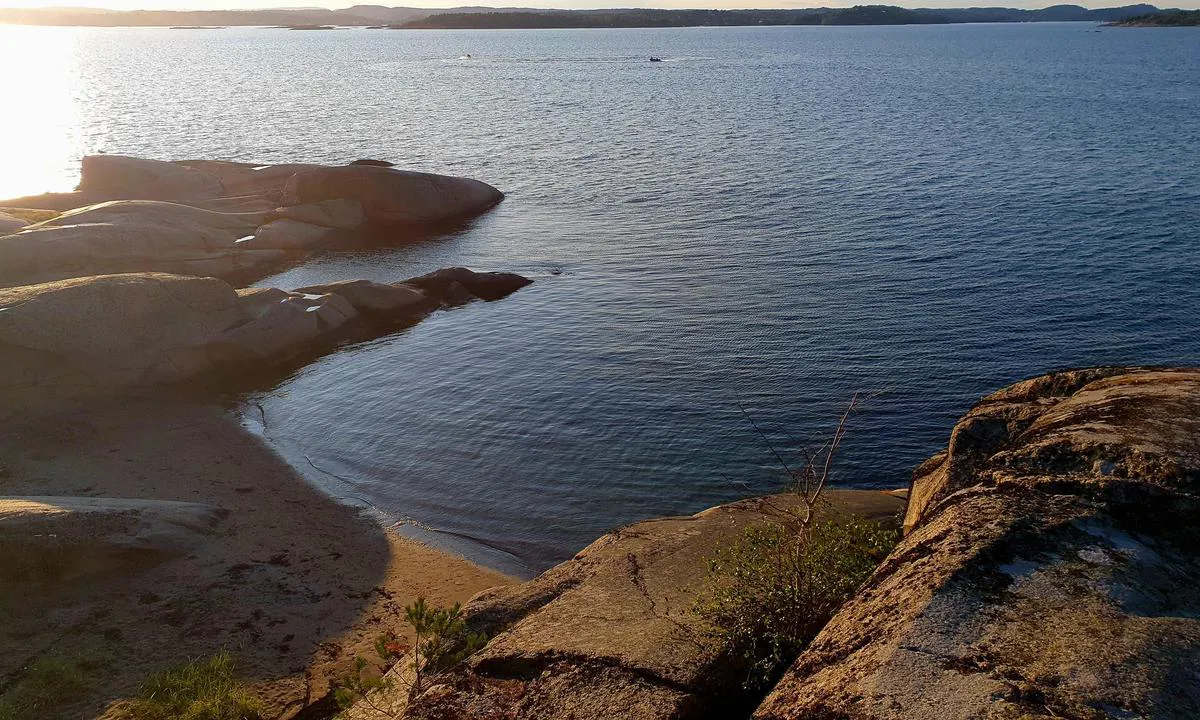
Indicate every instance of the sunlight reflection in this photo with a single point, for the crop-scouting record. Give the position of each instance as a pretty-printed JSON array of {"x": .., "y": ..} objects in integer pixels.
[{"x": 40, "y": 143}]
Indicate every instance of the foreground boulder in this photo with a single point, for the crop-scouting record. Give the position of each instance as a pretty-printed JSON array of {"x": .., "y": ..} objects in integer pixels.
[
  {"x": 52, "y": 539},
  {"x": 99, "y": 334},
  {"x": 236, "y": 221},
  {"x": 611, "y": 633},
  {"x": 1049, "y": 568}
]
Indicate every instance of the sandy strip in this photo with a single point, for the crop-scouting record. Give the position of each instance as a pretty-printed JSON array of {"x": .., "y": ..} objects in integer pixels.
[{"x": 291, "y": 581}]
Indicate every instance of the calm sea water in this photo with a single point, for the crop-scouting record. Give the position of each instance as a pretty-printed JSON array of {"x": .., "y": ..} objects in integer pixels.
[{"x": 776, "y": 217}]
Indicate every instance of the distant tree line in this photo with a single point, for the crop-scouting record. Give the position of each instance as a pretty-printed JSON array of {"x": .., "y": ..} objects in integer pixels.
[
  {"x": 1163, "y": 18},
  {"x": 857, "y": 15}
]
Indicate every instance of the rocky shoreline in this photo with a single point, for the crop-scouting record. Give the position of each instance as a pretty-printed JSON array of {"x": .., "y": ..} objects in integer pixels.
[
  {"x": 235, "y": 221},
  {"x": 1047, "y": 567},
  {"x": 137, "y": 283},
  {"x": 1047, "y": 571},
  {"x": 151, "y": 526}
]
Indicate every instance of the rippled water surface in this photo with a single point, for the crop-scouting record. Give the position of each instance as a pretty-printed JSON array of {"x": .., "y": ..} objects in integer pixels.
[{"x": 777, "y": 217}]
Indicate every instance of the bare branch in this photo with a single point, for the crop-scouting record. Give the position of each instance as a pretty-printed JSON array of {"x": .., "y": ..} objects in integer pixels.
[{"x": 766, "y": 440}]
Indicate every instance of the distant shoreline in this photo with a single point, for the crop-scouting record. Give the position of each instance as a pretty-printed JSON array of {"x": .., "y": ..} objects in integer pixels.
[
  {"x": 1163, "y": 18},
  {"x": 477, "y": 18}
]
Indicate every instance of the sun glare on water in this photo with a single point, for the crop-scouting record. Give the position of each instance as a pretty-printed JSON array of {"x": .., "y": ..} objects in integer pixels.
[{"x": 40, "y": 145}]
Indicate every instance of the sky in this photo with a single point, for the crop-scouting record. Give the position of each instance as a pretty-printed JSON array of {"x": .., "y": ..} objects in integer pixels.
[{"x": 722, "y": 4}]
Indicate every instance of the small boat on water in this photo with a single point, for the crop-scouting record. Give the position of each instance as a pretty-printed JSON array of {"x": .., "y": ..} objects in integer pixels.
[{"x": 655, "y": 59}]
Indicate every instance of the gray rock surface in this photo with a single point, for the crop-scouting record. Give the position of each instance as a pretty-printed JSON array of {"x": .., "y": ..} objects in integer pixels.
[
  {"x": 10, "y": 224},
  {"x": 117, "y": 176},
  {"x": 1049, "y": 568},
  {"x": 292, "y": 236},
  {"x": 452, "y": 286},
  {"x": 236, "y": 221},
  {"x": 369, "y": 296},
  {"x": 392, "y": 197},
  {"x": 132, "y": 236},
  {"x": 105, "y": 333},
  {"x": 342, "y": 213},
  {"x": 611, "y": 633},
  {"x": 165, "y": 526},
  {"x": 109, "y": 331}
]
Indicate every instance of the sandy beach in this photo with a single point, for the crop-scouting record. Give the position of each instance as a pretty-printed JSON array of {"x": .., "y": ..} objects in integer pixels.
[{"x": 290, "y": 581}]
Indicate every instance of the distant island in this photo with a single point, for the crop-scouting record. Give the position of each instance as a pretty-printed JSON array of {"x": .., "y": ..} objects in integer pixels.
[
  {"x": 378, "y": 16},
  {"x": 1162, "y": 18},
  {"x": 857, "y": 15}
]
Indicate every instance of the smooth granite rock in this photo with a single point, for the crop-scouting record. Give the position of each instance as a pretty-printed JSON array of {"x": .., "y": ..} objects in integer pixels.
[
  {"x": 393, "y": 197},
  {"x": 452, "y": 286},
  {"x": 1049, "y": 569},
  {"x": 611, "y": 633},
  {"x": 106, "y": 333},
  {"x": 130, "y": 236},
  {"x": 291, "y": 236},
  {"x": 236, "y": 221},
  {"x": 118, "y": 176},
  {"x": 341, "y": 213},
  {"x": 10, "y": 224},
  {"x": 367, "y": 296}
]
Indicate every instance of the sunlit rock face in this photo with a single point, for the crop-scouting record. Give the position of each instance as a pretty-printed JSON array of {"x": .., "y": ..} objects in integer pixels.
[
  {"x": 132, "y": 236},
  {"x": 1048, "y": 570},
  {"x": 611, "y": 633},
  {"x": 235, "y": 221},
  {"x": 103, "y": 334}
]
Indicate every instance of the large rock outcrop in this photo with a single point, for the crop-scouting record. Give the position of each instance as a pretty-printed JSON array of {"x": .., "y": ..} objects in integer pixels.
[
  {"x": 393, "y": 197},
  {"x": 69, "y": 538},
  {"x": 611, "y": 633},
  {"x": 1048, "y": 571},
  {"x": 105, "y": 333},
  {"x": 236, "y": 221}
]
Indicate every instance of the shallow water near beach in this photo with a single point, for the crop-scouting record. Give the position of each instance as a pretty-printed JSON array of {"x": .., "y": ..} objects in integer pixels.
[{"x": 774, "y": 219}]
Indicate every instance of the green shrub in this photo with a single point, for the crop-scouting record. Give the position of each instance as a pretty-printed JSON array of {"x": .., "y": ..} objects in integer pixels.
[
  {"x": 49, "y": 682},
  {"x": 775, "y": 585},
  {"x": 199, "y": 690},
  {"x": 442, "y": 641}
]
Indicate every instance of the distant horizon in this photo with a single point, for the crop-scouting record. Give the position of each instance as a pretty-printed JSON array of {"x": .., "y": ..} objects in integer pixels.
[{"x": 237, "y": 5}]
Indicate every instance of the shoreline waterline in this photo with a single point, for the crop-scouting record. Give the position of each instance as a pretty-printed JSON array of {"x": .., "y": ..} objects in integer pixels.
[{"x": 341, "y": 489}]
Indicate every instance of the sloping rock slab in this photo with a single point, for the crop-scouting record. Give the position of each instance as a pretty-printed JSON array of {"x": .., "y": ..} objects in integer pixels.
[
  {"x": 611, "y": 632},
  {"x": 10, "y": 224},
  {"x": 392, "y": 197},
  {"x": 52, "y": 539},
  {"x": 108, "y": 331},
  {"x": 133, "y": 236},
  {"x": 373, "y": 297},
  {"x": 105, "y": 333},
  {"x": 119, "y": 176},
  {"x": 1049, "y": 572}
]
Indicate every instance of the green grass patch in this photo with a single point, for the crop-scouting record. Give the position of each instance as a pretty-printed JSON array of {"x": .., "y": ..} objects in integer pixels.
[{"x": 200, "y": 690}]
